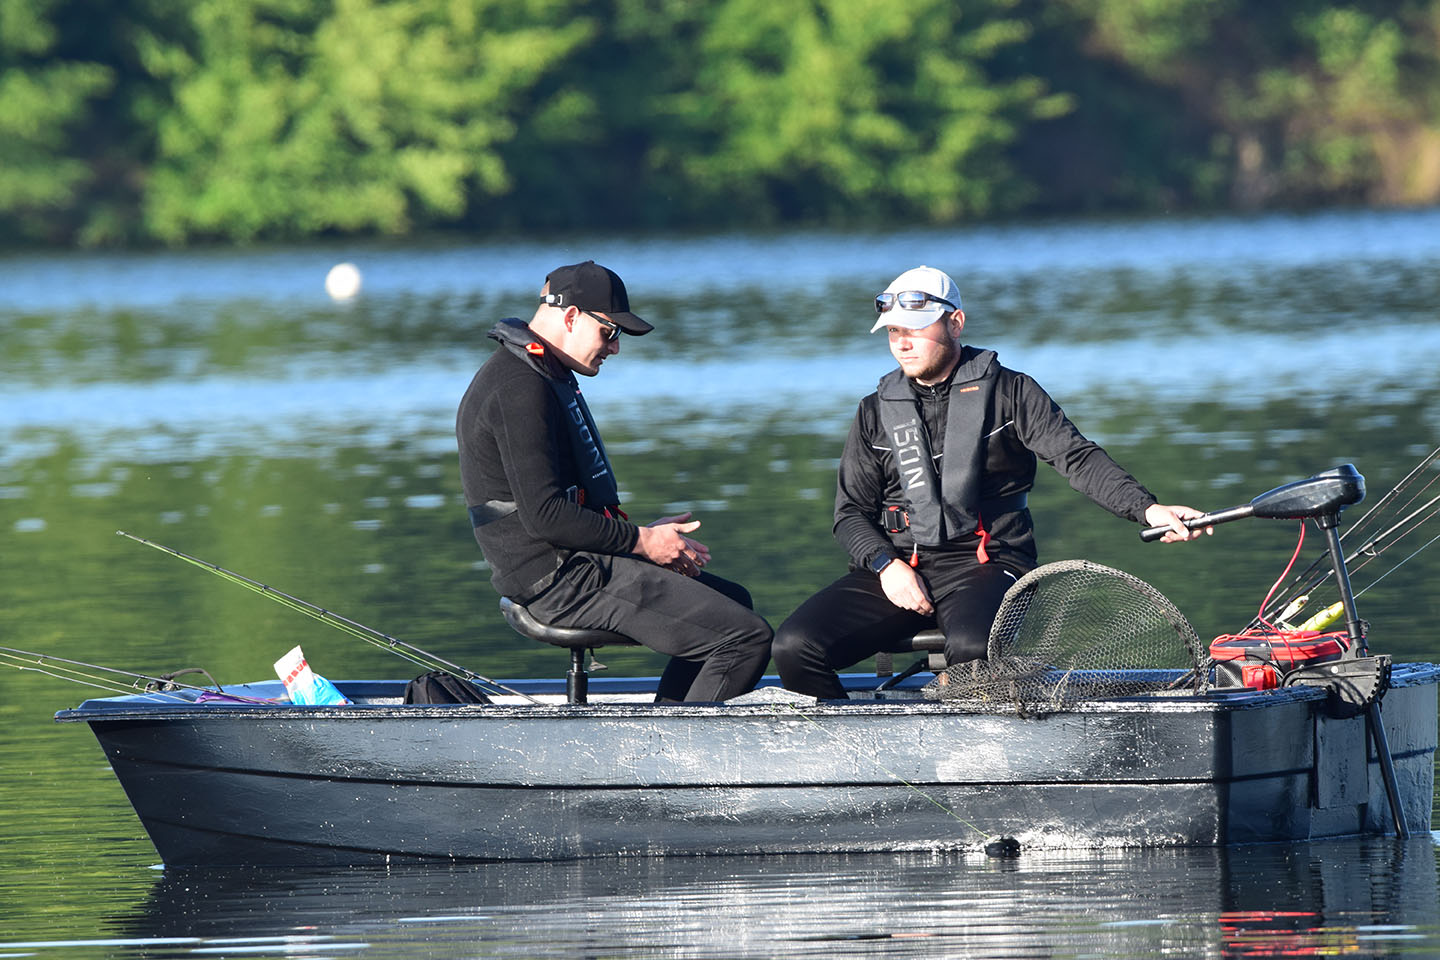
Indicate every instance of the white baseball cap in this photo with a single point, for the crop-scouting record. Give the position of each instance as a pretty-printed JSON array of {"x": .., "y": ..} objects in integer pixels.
[{"x": 934, "y": 295}]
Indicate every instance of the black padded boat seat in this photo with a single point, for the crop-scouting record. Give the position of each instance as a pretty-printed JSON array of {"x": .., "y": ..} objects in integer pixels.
[
  {"x": 523, "y": 622},
  {"x": 576, "y": 640},
  {"x": 929, "y": 642}
]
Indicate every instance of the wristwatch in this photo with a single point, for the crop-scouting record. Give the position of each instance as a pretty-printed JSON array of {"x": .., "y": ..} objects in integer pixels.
[{"x": 881, "y": 561}]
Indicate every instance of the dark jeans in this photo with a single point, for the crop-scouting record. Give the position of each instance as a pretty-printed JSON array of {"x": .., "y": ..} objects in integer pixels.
[
  {"x": 718, "y": 646},
  {"x": 852, "y": 619}
]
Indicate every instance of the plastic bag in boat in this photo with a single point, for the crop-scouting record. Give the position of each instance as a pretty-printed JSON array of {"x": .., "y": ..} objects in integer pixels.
[{"x": 305, "y": 686}]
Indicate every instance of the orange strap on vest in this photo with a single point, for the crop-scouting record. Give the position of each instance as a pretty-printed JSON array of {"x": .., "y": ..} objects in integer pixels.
[{"x": 981, "y": 553}]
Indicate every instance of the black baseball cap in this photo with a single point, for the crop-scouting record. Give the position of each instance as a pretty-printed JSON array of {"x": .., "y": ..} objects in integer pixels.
[{"x": 590, "y": 286}]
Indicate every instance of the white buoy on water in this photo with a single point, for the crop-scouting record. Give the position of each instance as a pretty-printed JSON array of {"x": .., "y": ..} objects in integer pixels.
[{"x": 343, "y": 281}]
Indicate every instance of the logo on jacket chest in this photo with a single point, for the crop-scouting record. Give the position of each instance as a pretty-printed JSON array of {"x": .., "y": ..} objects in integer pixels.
[
  {"x": 909, "y": 454},
  {"x": 595, "y": 465}
]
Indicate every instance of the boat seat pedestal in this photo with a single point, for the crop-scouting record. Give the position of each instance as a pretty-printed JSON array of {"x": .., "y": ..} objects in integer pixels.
[
  {"x": 929, "y": 642},
  {"x": 576, "y": 639}
]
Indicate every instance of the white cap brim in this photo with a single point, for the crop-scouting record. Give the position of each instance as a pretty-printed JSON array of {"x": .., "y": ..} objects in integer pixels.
[{"x": 910, "y": 319}]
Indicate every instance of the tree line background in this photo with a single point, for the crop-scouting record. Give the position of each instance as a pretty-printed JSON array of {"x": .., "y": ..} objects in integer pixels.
[{"x": 181, "y": 121}]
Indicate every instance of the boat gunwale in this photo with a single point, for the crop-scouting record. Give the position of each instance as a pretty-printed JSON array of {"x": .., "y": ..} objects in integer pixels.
[{"x": 131, "y": 707}]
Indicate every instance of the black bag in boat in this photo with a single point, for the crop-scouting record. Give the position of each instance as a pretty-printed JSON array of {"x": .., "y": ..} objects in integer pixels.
[{"x": 438, "y": 686}]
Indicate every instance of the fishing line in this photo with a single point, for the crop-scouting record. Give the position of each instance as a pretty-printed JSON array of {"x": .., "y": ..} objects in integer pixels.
[
  {"x": 345, "y": 625},
  {"x": 1421, "y": 491},
  {"x": 1372, "y": 552},
  {"x": 866, "y": 755},
  {"x": 1369, "y": 548},
  {"x": 1397, "y": 566},
  {"x": 1395, "y": 491}
]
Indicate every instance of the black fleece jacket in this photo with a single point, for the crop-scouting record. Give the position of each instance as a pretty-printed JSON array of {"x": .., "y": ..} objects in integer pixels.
[
  {"x": 1023, "y": 423},
  {"x": 515, "y": 446}
]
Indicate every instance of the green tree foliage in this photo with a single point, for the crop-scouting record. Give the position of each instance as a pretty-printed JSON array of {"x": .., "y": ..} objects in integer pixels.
[
  {"x": 1311, "y": 101},
  {"x": 45, "y": 101},
  {"x": 763, "y": 111},
  {"x": 846, "y": 108},
  {"x": 294, "y": 118},
  {"x": 185, "y": 120}
]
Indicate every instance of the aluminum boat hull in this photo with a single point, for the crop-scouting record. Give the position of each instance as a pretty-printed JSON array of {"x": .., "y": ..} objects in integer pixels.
[{"x": 378, "y": 781}]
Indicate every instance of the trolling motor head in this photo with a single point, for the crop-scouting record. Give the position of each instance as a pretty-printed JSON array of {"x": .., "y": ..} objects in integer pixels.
[{"x": 1323, "y": 495}]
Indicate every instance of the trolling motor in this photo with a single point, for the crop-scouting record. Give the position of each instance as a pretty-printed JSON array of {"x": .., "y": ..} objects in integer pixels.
[
  {"x": 1263, "y": 660},
  {"x": 1354, "y": 680}
]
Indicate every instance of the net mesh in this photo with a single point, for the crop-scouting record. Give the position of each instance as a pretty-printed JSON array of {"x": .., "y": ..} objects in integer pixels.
[{"x": 1073, "y": 631}]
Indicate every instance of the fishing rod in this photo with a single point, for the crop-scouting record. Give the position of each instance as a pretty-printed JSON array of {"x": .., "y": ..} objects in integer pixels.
[
  {"x": 107, "y": 679},
  {"x": 1397, "y": 566},
  {"x": 355, "y": 629},
  {"x": 1394, "y": 492},
  {"x": 1371, "y": 549},
  {"x": 1291, "y": 599}
]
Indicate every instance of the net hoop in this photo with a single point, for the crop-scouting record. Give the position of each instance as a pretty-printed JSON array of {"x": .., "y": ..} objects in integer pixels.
[{"x": 1075, "y": 631}]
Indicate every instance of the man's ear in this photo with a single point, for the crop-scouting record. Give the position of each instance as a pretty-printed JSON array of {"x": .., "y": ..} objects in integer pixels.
[{"x": 958, "y": 319}]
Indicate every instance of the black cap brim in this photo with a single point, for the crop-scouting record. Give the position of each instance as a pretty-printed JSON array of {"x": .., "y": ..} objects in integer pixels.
[{"x": 631, "y": 324}]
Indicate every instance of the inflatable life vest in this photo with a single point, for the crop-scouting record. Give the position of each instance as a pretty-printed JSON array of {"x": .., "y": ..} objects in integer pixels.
[
  {"x": 597, "y": 480},
  {"x": 942, "y": 507}
]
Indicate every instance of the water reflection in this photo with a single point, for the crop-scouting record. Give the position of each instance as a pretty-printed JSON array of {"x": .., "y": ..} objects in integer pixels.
[{"x": 1367, "y": 898}]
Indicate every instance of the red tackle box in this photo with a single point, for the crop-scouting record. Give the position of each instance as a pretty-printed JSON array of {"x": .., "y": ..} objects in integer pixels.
[{"x": 1261, "y": 660}]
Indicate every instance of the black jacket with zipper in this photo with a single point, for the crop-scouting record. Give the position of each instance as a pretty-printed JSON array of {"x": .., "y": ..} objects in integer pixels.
[{"x": 515, "y": 446}]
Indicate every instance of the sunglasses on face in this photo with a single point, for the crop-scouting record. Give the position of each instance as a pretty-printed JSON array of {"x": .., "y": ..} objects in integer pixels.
[
  {"x": 908, "y": 300},
  {"x": 612, "y": 329}
]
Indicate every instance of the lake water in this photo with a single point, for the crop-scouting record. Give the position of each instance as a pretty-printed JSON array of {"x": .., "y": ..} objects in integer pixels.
[{"x": 219, "y": 403}]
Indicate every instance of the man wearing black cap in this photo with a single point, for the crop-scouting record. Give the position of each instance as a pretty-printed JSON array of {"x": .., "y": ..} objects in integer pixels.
[{"x": 545, "y": 507}]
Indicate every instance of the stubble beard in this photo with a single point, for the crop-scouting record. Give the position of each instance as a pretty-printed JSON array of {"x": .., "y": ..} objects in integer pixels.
[{"x": 938, "y": 365}]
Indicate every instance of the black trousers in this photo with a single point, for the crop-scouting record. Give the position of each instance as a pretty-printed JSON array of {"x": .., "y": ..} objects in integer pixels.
[
  {"x": 717, "y": 644},
  {"x": 852, "y": 619}
]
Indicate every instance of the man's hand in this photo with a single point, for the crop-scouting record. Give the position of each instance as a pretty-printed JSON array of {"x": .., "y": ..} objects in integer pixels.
[
  {"x": 1160, "y": 515},
  {"x": 664, "y": 542},
  {"x": 904, "y": 588}
]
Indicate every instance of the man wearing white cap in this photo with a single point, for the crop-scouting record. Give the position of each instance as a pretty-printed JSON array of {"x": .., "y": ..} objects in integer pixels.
[{"x": 931, "y": 499}]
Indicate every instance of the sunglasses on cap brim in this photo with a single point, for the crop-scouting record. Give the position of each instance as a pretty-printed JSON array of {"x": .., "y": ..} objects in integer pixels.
[{"x": 908, "y": 300}]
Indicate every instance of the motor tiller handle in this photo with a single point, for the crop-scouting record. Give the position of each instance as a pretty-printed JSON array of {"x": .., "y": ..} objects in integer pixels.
[
  {"x": 1322, "y": 496},
  {"x": 1204, "y": 520}
]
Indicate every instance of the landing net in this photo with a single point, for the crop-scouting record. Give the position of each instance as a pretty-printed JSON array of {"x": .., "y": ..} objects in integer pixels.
[{"x": 1074, "y": 631}]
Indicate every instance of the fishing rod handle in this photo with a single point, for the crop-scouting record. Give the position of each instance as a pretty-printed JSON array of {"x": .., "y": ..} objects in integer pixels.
[{"x": 1204, "y": 520}]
